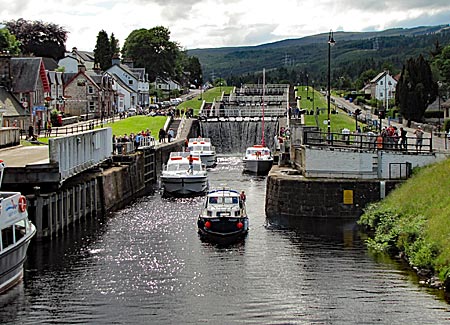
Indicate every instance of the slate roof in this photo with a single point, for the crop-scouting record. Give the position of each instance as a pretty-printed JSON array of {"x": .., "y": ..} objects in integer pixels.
[
  {"x": 25, "y": 73},
  {"x": 10, "y": 104}
]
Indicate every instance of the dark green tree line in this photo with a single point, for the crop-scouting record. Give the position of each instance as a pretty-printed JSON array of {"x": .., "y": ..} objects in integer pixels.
[
  {"x": 416, "y": 89},
  {"x": 39, "y": 38}
]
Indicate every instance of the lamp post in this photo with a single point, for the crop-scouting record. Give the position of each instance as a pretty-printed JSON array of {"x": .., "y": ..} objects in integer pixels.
[{"x": 331, "y": 43}]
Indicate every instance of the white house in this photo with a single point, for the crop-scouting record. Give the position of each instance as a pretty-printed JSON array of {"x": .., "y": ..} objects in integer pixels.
[
  {"x": 383, "y": 87},
  {"x": 167, "y": 85},
  {"x": 73, "y": 59},
  {"x": 126, "y": 96},
  {"x": 127, "y": 79}
]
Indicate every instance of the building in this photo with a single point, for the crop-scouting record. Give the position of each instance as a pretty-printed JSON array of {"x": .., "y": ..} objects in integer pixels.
[
  {"x": 82, "y": 94},
  {"x": 382, "y": 87}
]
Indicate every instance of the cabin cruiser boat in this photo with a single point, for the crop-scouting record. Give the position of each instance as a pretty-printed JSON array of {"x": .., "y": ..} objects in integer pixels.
[
  {"x": 180, "y": 178},
  {"x": 16, "y": 232},
  {"x": 258, "y": 160},
  {"x": 223, "y": 215},
  {"x": 203, "y": 148}
]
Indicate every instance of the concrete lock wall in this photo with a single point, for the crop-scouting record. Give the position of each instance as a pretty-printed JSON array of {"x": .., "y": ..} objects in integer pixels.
[
  {"x": 294, "y": 196},
  {"x": 325, "y": 162}
]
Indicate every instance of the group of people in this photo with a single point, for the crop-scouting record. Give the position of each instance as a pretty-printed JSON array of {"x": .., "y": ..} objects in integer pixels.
[
  {"x": 280, "y": 138},
  {"x": 162, "y": 134},
  {"x": 135, "y": 138}
]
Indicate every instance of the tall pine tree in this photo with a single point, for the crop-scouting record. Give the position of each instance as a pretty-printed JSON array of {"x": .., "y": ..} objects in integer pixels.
[
  {"x": 103, "y": 51},
  {"x": 416, "y": 89}
]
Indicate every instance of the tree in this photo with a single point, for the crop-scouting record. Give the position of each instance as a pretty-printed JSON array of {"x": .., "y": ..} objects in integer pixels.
[
  {"x": 416, "y": 89},
  {"x": 114, "y": 43},
  {"x": 152, "y": 50},
  {"x": 39, "y": 38},
  {"x": 102, "y": 51},
  {"x": 8, "y": 42}
]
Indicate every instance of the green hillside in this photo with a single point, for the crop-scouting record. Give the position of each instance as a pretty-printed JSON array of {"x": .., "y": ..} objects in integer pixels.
[{"x": 353, "y": 53}]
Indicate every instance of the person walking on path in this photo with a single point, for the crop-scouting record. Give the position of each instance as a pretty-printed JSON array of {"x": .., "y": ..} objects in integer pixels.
[{"x": 419, "y": 138}]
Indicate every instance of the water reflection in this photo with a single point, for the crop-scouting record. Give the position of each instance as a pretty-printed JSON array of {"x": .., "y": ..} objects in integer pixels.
[{"x": 146, "y": 264}]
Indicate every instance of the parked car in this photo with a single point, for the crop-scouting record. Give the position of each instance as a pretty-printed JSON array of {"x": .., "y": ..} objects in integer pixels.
[{"x": 132, "y": 112}]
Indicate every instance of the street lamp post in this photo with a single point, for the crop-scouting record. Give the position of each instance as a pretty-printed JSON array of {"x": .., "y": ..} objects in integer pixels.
[{"x": 331, "y": 42}]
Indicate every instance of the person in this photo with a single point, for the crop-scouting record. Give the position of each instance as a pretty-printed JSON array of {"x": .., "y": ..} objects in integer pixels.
[
  {"x": 242, "y": 196},
  {"x": 162, "y": 135},
  {"x": 186, "y": 145},
  {"x": 191, "y": 164},
  {"x": 419, "y": 138},
  {"x": 30, "y": 131},
  {"x": 170, "y": 134},
  {"x": 49, "y": 128},
  {"x": 403, "y": 139}
]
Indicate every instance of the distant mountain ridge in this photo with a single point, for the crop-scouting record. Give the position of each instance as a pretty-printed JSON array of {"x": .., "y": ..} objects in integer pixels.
[{"x": 309, "y": 52}]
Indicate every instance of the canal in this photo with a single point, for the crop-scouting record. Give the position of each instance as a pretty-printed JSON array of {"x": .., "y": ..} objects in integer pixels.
[{"x": 146, "y": 265}]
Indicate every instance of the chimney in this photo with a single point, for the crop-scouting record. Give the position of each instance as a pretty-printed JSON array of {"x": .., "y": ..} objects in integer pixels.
[
  {"x": 128, "y": 62},
  {"x": 81, "y": 68},
  {"x": 115, "y": 59}
]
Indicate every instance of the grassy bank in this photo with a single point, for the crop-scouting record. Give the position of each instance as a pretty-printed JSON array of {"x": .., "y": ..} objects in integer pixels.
[
  {"x": 338, "y": 121},
  {"x": 415, "y": 219}
]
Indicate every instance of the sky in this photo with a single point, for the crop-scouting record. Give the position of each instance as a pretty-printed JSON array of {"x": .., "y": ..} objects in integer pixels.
[{"x": 223, "y": 23}]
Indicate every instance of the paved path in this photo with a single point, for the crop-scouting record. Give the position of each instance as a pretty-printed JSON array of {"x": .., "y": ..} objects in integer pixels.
[{"x": 20, "y": 156}]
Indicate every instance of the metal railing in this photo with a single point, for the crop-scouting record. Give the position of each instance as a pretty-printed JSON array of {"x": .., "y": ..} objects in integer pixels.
[{"x": 367, "y": 141}]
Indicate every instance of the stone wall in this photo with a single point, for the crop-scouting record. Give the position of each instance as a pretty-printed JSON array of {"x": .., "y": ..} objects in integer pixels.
[{"x": 294, "y": 196}]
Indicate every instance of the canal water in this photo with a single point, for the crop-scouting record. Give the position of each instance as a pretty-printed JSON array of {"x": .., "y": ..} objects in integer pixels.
[{"x": 146, "y": 265}]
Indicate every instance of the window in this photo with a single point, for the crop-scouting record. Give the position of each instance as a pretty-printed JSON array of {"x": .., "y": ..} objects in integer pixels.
[
  {"x": 20, "y": 230},
  {"x": 90, "y": 89},
  {"x": 130, "y": 82},
  {"x": 91, "y": 106},
  {"x": 7, "y": 237}
]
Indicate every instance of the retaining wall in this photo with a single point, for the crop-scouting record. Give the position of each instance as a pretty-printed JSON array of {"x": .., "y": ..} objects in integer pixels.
[{"x": 289, "y": 195}]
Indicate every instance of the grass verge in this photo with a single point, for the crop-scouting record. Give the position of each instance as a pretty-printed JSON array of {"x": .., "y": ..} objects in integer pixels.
[{"x": 415, "y": 219}]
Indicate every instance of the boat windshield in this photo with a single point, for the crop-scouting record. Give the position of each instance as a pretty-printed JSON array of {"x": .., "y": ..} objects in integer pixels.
[
  {"x": 183, "y": 167},
  {"x": 199, "y": 148},
  {"x": 223, "y": 200},
  {"x": 264, "y": 152}
]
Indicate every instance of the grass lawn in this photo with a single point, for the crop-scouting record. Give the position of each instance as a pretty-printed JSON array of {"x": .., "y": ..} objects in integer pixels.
[
  {"x": 208, "y": 96},
  {"x": 135, "y": 124}
]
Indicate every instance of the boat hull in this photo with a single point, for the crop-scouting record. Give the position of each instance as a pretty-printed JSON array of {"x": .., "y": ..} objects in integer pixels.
[
  {"x": 209, "y": 160},
  {"x": 184, "y": 185},
  {"x": 257, "y": 166},
  {"x": 11, "y": 261},
  {"x": 222, "y": 229}
]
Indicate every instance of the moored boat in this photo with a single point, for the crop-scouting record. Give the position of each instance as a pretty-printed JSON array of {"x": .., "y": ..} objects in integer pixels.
[
  {"x": 16, "y": 231},
  {"x": 223, "y": 216},
  {"x": 182, "y": 178},
  {"x": 203, "y": 148},
  {"x": 258, "y": 160}
]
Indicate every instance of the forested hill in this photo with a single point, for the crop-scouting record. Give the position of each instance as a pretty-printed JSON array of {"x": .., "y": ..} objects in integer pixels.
[{"x": 353, "y": 53}]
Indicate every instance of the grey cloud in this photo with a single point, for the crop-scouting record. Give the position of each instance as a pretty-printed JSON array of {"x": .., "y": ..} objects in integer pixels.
[{"x": 374, "y": 5}]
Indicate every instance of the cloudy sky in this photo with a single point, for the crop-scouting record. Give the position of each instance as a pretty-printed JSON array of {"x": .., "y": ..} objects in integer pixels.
[{"x": 218, "y": 23}]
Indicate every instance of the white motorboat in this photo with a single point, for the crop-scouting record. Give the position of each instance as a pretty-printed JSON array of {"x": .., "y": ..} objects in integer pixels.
[
  {"x": 223, "y": 216},
  {"x": 180, "y": 178},
  {"x": 203, "y": 148},
  {"x": 16, "y": 232},
  {"x": 258, "y": 160}
]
